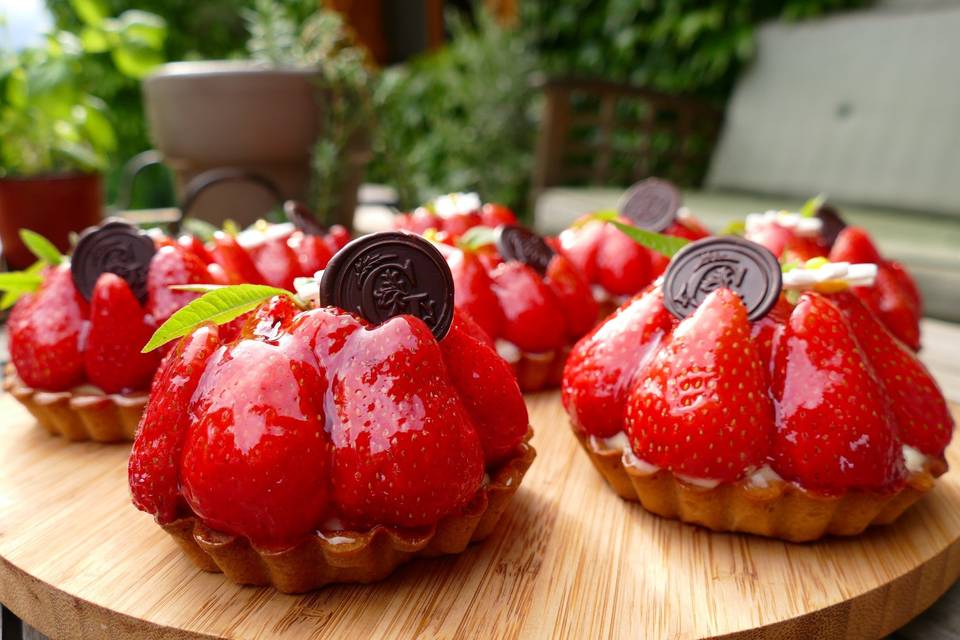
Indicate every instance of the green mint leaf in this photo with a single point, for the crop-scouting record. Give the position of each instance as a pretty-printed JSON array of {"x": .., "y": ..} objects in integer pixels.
[
  {"x": 477, "y": 237},
  {"x": 662, "y": 244},
  {"x": 20, "y": 281},
  {"x": 218, "y": 306},
  {"x": 41, "y": 247},
  {"x": 196, "y": 288},
  {"x": 10, "y": 297},
  {"x": 735, "y": 228},
  {"x": 810, "y": 207}
]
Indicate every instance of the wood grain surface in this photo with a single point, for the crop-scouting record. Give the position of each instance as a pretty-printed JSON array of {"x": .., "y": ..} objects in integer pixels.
[{"x": 570, "y": 559}]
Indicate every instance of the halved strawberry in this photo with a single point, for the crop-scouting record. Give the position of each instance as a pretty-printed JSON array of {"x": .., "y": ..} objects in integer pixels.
[
  {"x": 119, "y": 328},
  {"x": 533, "y": 319},
  {"x": 234, "y": 260},
  {"x": 601, "y": 367},
  {"x": 472, "y": 289},
  {"x": 923, "y": 419},
  {"x": 154, "y": 467},
  {"x": 174, "y": 265},
  {"x": 853, "y": 244},
  {"x": 405, "y": 451},
  {"x": 493, "y": 215},
  {"x": 256, "y": 462},
  {"x": 275, "y": 260},
  {"x": 622, "y": 265},
  {"x": 45, "y": 333},
  {"x": 488, "y": 389},
  {"x": 835, "y": 430},
  {"x": 574, "y": 295},
  {"x": 700, "y": 408},
  {"x": 580, "y": 243},
  {"x": 312, "y": 252}
]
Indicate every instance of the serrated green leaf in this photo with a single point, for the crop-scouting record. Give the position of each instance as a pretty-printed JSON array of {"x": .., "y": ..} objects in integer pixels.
[
  {"x": 219, "y": 306},
  {"x": 662, "y": 244},
  {"x": 41, "y": 247},
  {"x": 10, "y": 297},
  {"x": 20, "y": 281},
  {"x": 477, "y": 237},
  {"x": 811, "y": 206},
  {"x": 197, "y": 288}
]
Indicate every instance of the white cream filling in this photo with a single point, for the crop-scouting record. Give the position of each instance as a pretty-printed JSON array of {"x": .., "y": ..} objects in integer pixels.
[
  {"x": 913, "y": 460},
  {"x": 851, "y": 275},
  {"x": 455, "y": 203},
  {"x": 259, "y": 233},
  {"x": 508, "y": 351},
  {"x": 684, "y": 213},
  {"x": 308, "y": 289},
  {"x": 801, "y": 225}
]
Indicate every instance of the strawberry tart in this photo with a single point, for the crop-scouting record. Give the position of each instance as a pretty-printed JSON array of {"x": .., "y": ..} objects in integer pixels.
[
  {"x": 526, "y": 295},
  {"x": 615, "y": 266},
  {"x": 75, "y": 342},
  {"x": 732, "y": 397},
  {"x": 449, "y": 216},
  {"x": 793, "y": 237},
  {"x": 332, "y": 442}
]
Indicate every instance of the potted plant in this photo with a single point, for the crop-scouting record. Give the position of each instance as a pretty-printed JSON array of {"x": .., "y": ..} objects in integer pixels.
[
  {"x": 297, "y": 112},
  {"x": 55, "y": 134}
]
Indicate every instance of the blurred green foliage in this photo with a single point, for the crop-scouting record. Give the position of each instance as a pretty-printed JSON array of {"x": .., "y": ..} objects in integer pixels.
[
  {"x": 677, "y": 46},
  {"x": 459, "y": 119},
  {"x": 52, "y": 116}
]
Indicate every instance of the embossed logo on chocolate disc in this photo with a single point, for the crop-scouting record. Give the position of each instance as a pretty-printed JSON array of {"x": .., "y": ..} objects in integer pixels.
[
  {"x": 833, "y": 223},
  {"x": 115, "y": 246},
  {"x": 651, "y": 204},
  {"x": 387, "y": 274},
  {"x": 517, "y": 243},
  {"x": 727, "y": 262},
  {"x": 302, "y": 218}
]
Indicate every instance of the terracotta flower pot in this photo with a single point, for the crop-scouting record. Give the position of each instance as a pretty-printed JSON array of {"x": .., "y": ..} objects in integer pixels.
[
  {"x": 206, "y": 115},
  {"x": 52, "y": 205}
]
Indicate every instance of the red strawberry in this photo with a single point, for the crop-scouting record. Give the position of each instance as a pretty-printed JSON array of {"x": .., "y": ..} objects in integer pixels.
[
  {"x": 173, "y": 265},
  {"x": 458, "y": 224},
  {"x": 580, "y": 244},
  {"x": 700, "y": 407},
  {"x": 234, "y": 260},
  {"x": 573, "y": 294},
  {"x": 623, "y": 266},
  {"x": 410, "y": 471},
  {"x": 853, "y": 244},
  {"x": 194, "y": 245},
  {"x": 118, "y": 330},
  {"x": 532, "y": 315},
  {"x": 256, "y": 462},
  {"x": 894, "y": 306},
  {"x": 906, "y": 282},
  {"x": 312, "y": 252},
  {"x": 600, "y": 369},
  {"x": 834, "y": 426},
  {"x": 688, "y": 228},
  {"x": 337, "y": 237},
  {"x": 275, "y": 260},
  {"x": 154, "y": 468},
  {"x": 472, "y": 290},
  {"x": 766, "y": 331},
  {"x": 772, "y": 235},
  {"x": 488, "y": 389},
  {"x": 923, "y": 419},
  {"x": 45, "y": 332},
  {"x": 493, "y": 215}
]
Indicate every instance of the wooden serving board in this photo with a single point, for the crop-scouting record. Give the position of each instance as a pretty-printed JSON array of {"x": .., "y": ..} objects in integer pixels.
[{"x": 570, "y": 559}]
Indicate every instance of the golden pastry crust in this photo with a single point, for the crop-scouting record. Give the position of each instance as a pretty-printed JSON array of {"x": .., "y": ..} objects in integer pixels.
[
  {"x": 778, "y": 510},
  {"x": 539, "y": 371},
  {"x": 80, "y": 415},
  {"x": 349, "y": 556}
]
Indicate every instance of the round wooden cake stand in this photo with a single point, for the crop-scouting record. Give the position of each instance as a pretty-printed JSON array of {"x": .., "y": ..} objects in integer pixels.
[{"x": 569, "y": 559}]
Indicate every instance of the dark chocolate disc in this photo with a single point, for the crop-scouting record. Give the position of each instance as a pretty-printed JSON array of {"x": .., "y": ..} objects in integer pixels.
[
  {"x": 114, "y": 246},
  {"x": 723, "y": 262},
  {"x": 651, "y": 204},
  {"x": 833, "y": 223},
  {"x": 518, "y": 243},
  {"x": 302, "y": 218},
  {"x": 387, "y": 274}
]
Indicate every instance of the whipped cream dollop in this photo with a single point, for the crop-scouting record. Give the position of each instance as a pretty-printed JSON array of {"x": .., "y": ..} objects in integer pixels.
[
  {"x": 803, "y": 226},
  {"x": 913, "y": 460},
  {"x": 262, "y": 231},
  {"x": 830, "y": 275},
  {"x": 308, "y": 288},
  {"x": 454, "y": 203}
]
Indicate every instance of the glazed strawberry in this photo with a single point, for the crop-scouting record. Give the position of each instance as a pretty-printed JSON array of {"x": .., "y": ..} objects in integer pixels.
[
  {"x": 835, "y": 430},
  {"x": 622, "y": 265},
  {"x": 256, "y": 460},
  {"x": 313, "y": 252},
  {"x": 45, "y": 333},
  {"x": 853, "y": 244},
  {"x": 923, "y": 419},
  {"x": 174, "y": 265},
  {"x": 337, "y": 237},
  {"x": 155, "y": 460},
  {"x": 487, "y": 387},
  {"x": 600, "y": 369},
  {"x": 493, "y": 215},
  {"x": 194, "y": 245},
  {"x": 409, "y": 469},
  {"x": 272, "y": 256},
  {"x": 472, "y": 289},
  {"x": 700, "y": 407},
  {"x": 234, "y": 260},
  {"x": 580, "y": 244},
  {"x": 766, "y": 331},
  {"x": 906, "y": 282},
  {"x": 573, "y": 294},
  {"x": 532, "y": 314},
  {"x": 119, "y": 328}
]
